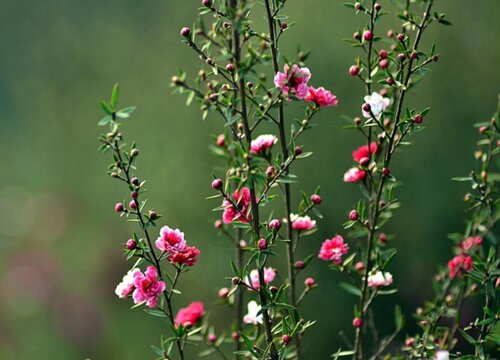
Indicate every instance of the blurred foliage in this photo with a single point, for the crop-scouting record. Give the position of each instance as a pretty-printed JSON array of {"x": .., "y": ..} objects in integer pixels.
[{"x": 60, "y": 241}]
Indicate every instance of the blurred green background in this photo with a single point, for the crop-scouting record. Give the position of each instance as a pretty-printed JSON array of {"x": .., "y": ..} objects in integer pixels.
[{"x": 60, "y": 241}]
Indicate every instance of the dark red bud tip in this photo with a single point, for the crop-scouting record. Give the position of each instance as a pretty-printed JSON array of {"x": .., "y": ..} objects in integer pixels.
[
  {"x": 217, "y": 184},
  {"x": 419, "y": 118},
  {"x": 284, "y": 25},
  {"x": 382, "y": 237},
  {"x": 153, "y": 215},
  {"x": 386, "y": 171},
  {"x": 206, "y": 3},
  {"x": 298, "y": 150},
  {"x": 286, "y": 339},
  {"x": 300, "y": 265},
  {"x": 401, "y": 57},
  {"x": 131, "y": 244},
  {"x": 235, "y": 336},
  {"x": 390, "y": 34},
  {"x": 378, "y": 6},
  {"x": 275, "y": 224},
  {"x": 316, "y": 199},
  {"x": 262, "y": 244},
  {"x": 235, "y": 281},
  {"x": 383, "y": 54},
  {"x": 119, "y": 207},
  {"x": 273, "y": 289},
  {"x": 366, "y": 107},
  {"x": 230, "y": 67},
  {"x": 357, "y": 6},
  {"x": 310, "y": 282},
  {"x": 185, "y": 31},
  {"x": 364, "y": 161},
  {"x": 353, "y": 215},
  {"x": 354, "y": 70},
  {"x": 368, "y": 35},
  {"x": 390, "y": 81},
  {"x": 401, "y": 37},
  {"x": 357, "y": 322},
  {"x": 132, "y": 204},
  {"x": 135, "y": 181},
  {"x": 134, "y": 194}
]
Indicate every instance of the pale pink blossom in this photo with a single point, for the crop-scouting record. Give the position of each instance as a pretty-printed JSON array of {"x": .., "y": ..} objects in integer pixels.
[
  {"x": 147, "y": 287},
  {"x": 378, "y": 104},
  {"x": 170, "y": 240},
  {"x": 380, "y": 279},
  {"x": 354, "y": 175},
  {"x": 252, "y": 317},
  {"x": 190, "y": 315},
  {"x": 442, "y": 355},
  {"x": 321, "y": 97},
  {"x": 333, "y": 249},
  {"x": 269, "y": 275},
  {"x": 293, "y": 81},
  {"x": 188, "y": 256},
  {"x": 126, "y": 287},
  {"x": 263, "y": 143},
  {"x": 302, "y": 222},
  {"x": 471, "y": 242}
]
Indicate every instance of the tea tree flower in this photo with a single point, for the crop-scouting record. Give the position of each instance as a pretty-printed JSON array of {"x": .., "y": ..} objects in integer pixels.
[
  {"x": 321, "y": 97},
  {"x": 379, "y": 279},
  {"x": 354, "y": 175},
  {"x": 190, "y": 315},
  {"x": 252, "y": 317},
  {"x": 242, "y": 200},
  {"x": 147, "y": 287},
  {"x": 269, "y": 275},
  {"x": 459, "y": 265},
  {"x": 333, "y": 249},
  {"x": 293, "y": 80},
  {"x": 377, "y": 105},
  {"x": 302, "y": 222},
  {"x": 170, "y": 240},
  {"x": 263, "y": 143},
  {"x": 126, "y": 287},
  {"x": 364, "y": 151},
  {"x": 187, "y": 256}
]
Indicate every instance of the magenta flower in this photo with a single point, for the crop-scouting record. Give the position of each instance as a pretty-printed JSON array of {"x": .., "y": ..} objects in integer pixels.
[
  {"x": 147, "y": 287},
  {"x": 459, "y": 264},
  {"x": 380, "y": 279},
  {"x": 187, "y": 256},
  {"x": 190, "y": 315},
  {"x": 302, "y": 222},
  {"x": 354, "y": 175},
  {"x": 170, "y": 240},
  {"x": 242, "y": 200},
  {"x": 126, "y": 287},
  {"x": 471, "y": 242},
  {"x": 362, "y": 151},
  {"x": 321, "y": 97},
  {"x": 293, "y": 81},
  {"x": 333, "y": 249},
  {"x": 269, "y": 275},
  {"x": 262, "y": 143}
]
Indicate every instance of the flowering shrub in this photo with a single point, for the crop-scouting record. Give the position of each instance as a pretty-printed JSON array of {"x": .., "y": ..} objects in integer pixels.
[{"x": 258, "y": 172}]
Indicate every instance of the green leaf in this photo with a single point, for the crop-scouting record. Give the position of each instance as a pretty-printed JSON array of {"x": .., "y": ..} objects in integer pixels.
[
  {"x": 351, "y": 289},
  {"x": 114, "y": 96},
  {"x": 105, "y": 106}
]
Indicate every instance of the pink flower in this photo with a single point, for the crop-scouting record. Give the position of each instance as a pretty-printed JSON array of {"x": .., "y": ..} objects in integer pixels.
[
  {"x": 293, "y": 80},
  {"x": 187, "y": 256},
  {"x": 190, "y": 315},
  {"x": 362, "y": 151},
  {"x": 262, "y": 143},
  {"x": 126, "y": 287},
  {"x": 354, "y": 175},
  {"x": 242, "y": 200},
  {"x": 378, "y": 104},
  {"x": 269, "y": 275},
  {"x": 147, "y": 287},
  {"x": 221, "y": 140},
  {"x": 170, "y": 240},
  {"x": 442, "y": 355},
  {"x": 379, "y": 279},
  {"x": 321, "y": 97},
  {"x": 471, "y": 242},
  {"x": 302, "y": 222},
  {"x": 333, "y": 249},
  {"x": 459, "y": 265}
]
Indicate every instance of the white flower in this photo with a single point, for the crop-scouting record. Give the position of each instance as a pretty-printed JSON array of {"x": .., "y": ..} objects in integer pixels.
[
  {"x": 442, "y": 355},
  {"x": 253, "y": 310},
  {"x": 126, "y": 287},
  {"x": 377, "y": 103},
  {"x": 379, "y": 279}
]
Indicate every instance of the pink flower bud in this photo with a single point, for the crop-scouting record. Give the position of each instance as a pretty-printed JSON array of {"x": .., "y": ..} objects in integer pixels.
[
  {"x": 356, "y": 35},
  {"x": 235, "y": 336},
  {"x": 223, "y": 293},
  {"x": 410, "y": 341},
  {"x": 354, "y": 70},
  {"x": 153, "y": 215},
  {"x": 483, "y": 129},
  {"x": 286, "y": 339},
  {"x": 401, "y": 37},
  {"x": 273, "y": 289},
  {"x": 221, "y": 140},
  {"x": 359, "y": 266},
  {"x": 310, "y": 282},
  {"x": 368, "y": 35},
  {"x": 316, "y": 199},
  {"x": 353, "y": 215},
  {"x": 298, "y": 150},
  {"x": 230, "y": 67},
  {"x": 131, "y": 244},
  {"x": 386, "y": 171},
  {"x": 401, "y": 57},
  {"x": 300, "y": 265},
  {"x": 383, "y": 54},
  {"x": 135, "y": 181},
  {"x": 134, "y": 194},
  {"x": 284, "y": 25},
  {"x": 235, "y": 281},
  {"x": 132, "y": 204},
  {"x": 414, "y": 55},
  {"x": 419, "y": 118},
  {"x": 274, "y": 224},
  {"x": 357, "y": 6},
  {"x": 384, "y": 63},
  {"x": 218, "y": 224},
  {"x": 243, "y": 244},
  {"x": 270, "y": 170},
  {"x": 377, "y": 6},
  {"x": 390, "y": 81},
  {"x": 119, "y": 207},
  {"x": 185, "y": 31},
  {"x": 217, "y": 184},
  {"x": 357, "y": 322},
  {"x": 212, "y": 338},
  {"x": 262, "y": 244},
  {"x": 206, "y": 3},
  {"x": 382, "y": 237},
  {"x": 390, "y": 34}
]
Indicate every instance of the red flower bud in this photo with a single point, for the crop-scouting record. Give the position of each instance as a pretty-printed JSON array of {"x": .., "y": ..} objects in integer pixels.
[
  {"x": 300, "y": 265},
  {"x": 119, "y": 207},
  {"x": 286, "y": 339},
  {"x": 368, "y": 35},
  {"x": 217, "y": 184},
  {"x": 419, "y": 118},
  {"x": 357, "y": 322},
  {"x": 316, "y": 199},
  {"x": 354, "y": 70},
  {"x": 131, "y": 244},
  {"x": 185, "y": 31},
  {"x": 262, "y": 244},
  {"x": 353, "y": 215},
  {"x": 310, "y": 282}
]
